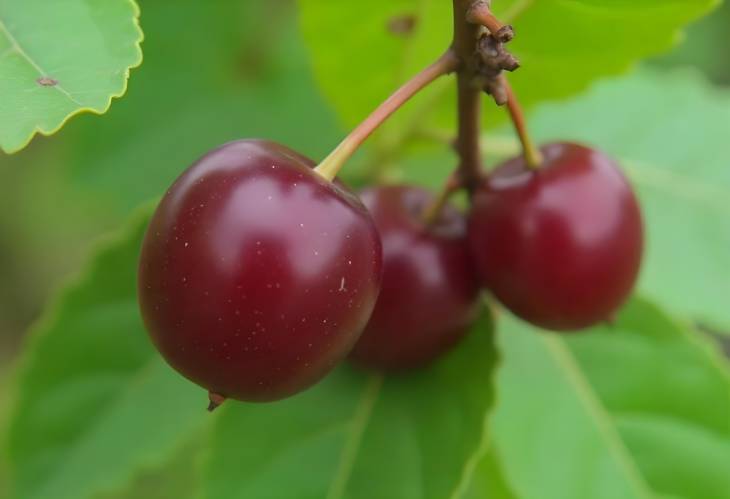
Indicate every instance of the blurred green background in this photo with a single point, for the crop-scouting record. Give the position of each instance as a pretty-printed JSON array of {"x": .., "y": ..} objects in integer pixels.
[{"x": 192, "y": 93}]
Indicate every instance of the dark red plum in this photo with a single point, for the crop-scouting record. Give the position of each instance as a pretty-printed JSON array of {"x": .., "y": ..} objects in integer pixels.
[
  {"x": 560, "y": 246},
  {"x": 257, "y": 275}
]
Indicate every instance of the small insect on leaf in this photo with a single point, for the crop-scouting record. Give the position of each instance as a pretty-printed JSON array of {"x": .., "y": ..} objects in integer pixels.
[{"x": 45, "y": 81}]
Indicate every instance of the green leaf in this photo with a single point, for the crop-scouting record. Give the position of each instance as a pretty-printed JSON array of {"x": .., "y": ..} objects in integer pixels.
[
  {"x": 358, "y": 435},
  {"x": 690, "y": 462},
  {"x": 58, "y": 59},
  {"x": 368, "y": 59},
  {"x": 178, "y": 477},
  {"x": 668, "y": 390},
  {"x": 639, "y": 409},
  {"x": 488, "y": 480},
  {"x": 95, "y": 402},
  {"x": 4, "y": 409},
  {"x": 669, "y": 130},
  {"x": 705, "y": 40},
  {"x": 562, "y": 46},
  {"x": 556, "y": 439}
]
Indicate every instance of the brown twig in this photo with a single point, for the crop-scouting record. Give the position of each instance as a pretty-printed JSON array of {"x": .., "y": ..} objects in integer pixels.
[{"x": 469, "y": 96}]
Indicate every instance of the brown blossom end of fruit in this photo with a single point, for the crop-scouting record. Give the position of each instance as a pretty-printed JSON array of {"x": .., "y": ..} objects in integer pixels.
[{"x": 215, "y": 400}]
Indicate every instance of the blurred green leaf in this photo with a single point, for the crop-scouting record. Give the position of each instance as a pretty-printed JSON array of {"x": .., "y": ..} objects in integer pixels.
[
  {"x": 668, "y": 391},
  {"x": 556, "y": 439},
  {"x": 95, "y": 402},
  {"x": 638, "y": 409},
  {"x": 670, "y": 132},
  {"x": 58, "y": 59},
  {"x": 372, "y": 56},
  {"x": 5, "y": 384},
  {"x": 563, "y": 45},
  {"x": 213, "y": 72},
  {"x": 487, "y": 478},
  {"x": 704, "y": 47},
  {"x": 359, "y": 435},
  {"x": 177, "y": 478}
]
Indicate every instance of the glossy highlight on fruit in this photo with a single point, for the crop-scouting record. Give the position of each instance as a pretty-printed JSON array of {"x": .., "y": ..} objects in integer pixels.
[
  {"x": 430, "y": 294},
  {"x": 559, "y": 246},
  {"x": 257, "y": 275}
]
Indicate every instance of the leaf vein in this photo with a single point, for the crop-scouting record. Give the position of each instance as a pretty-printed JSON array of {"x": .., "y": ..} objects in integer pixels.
[
  {"x": 590, "y": 401},
  {"x": 360, "y": 420}
]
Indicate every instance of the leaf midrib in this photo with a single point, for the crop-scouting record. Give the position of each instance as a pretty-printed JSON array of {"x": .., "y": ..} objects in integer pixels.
[
  {"x": 360, "y": 419},
  {"x": 565, "y": 361}
]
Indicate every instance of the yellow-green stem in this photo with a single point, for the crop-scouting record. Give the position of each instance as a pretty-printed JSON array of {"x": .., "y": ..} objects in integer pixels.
[
  {"x": 331, "y": 165},
  {"x": 533, "y": 156}
]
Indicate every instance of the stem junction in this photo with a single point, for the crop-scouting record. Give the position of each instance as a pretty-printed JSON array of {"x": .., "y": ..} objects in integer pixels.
[{"x": 480, "y": 13}]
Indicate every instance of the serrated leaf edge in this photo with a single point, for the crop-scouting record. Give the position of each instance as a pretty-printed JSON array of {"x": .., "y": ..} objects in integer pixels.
[{"x": 38, "y": 130}]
